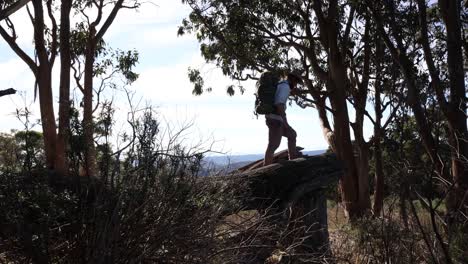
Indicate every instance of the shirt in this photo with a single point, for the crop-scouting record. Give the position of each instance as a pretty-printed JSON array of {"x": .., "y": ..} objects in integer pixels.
[{"x": 283, "y": 90}]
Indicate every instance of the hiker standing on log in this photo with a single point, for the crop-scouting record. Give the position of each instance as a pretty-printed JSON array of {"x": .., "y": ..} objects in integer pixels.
[{"x": 276, "y": 120}]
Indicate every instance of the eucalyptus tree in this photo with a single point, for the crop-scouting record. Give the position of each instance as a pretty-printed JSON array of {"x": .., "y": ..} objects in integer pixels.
[
  {"x": 41, "y": 64},
  {"x": 331, "y": 42},
  {"x": 432, "y": 62},
  {"x": 98, "y": 17},
  {"x": 52, "y": 38}
]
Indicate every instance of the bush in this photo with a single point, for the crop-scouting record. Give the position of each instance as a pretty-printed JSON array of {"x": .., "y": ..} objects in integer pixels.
[{"x": 148, "y": 206}]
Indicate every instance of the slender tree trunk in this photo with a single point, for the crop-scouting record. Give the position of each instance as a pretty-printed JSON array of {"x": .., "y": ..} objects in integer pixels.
[
  {"x": 450, "y": 11},
  {"x": 398, "y": 53},
  {"x": 88, "y": 125},
  {"x": 349, "y": 184},
  {"x": 47, "y": 115},
  {"x": 64, "y": 101},
  {"x": 362, "y": 148},
  {"x": 44, "y": 83},
  {"x": 379, "y": 175},
  {"x": 360, "y": 99},
  {"x": 324, "y": 123}
]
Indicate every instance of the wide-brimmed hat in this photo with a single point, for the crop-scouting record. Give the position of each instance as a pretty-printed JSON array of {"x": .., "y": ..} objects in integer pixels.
[{"x": 296, "y": 75}]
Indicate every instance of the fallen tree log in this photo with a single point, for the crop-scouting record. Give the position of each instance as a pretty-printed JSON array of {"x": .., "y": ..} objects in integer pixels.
[
  {"x": 293, "y": 189},
  {"x": 286, "y": 181}
]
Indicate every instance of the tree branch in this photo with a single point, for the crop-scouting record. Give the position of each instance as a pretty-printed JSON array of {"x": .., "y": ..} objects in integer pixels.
[
  {"x": 12, "y": 8},
  {"x": 14, "y": 46},
  {"x": 7, "y": 92},
  {"x": 53, "y": 49},
  {"x": 109, "y": 20},
  {"x": 436, "y": 83}
]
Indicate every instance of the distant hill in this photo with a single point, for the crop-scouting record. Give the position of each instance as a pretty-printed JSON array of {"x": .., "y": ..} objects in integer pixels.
[
  {"x": 232, "y": 159},
  {"x": 227, "y": 163}
]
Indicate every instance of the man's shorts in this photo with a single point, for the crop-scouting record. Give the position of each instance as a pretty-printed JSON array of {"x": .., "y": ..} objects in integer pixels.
[{"x": 277, "y": 130}]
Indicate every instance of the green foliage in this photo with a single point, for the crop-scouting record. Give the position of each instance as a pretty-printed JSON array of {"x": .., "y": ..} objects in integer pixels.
[
  {"x": 21, "y": 151},
  {"x": 126, "y": 62},
  {"x": 79, "y": 39},
  {"x": 197, "y": 80},
  {"x": 232, "y": 35}
]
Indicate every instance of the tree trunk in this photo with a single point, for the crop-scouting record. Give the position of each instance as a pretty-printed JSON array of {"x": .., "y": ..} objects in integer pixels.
[
  {"x": 64, "y": 101},
  {"x": 360, "y": 100},
  {"x": 379, "y": 176},
  {"x": 44, "y": 83},
  {"x": 47, "y": 115},
  {"x": 450, "y": 11},
  {"x": 413, "y": 99},
  {"x": 337, "y": 86},
  {"x": 349, "y": 184},
  {"x": 88, "y": 125}
]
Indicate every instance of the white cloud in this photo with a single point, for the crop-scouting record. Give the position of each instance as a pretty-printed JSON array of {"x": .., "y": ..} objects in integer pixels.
[{"x": 159, "y": 37}]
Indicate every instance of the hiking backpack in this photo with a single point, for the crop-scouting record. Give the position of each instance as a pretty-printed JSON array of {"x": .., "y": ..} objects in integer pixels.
[{"x": 265, "y": 95}]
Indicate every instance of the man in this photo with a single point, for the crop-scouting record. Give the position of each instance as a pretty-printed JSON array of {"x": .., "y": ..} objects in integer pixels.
[{"x": 277, "y": 122}]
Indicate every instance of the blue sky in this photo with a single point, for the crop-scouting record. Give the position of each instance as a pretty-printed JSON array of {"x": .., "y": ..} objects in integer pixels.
[{"x": 228, "y": 122}]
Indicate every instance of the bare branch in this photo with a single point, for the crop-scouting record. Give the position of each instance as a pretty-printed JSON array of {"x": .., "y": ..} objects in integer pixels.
[
  {"x": 12, "y": 8},
  {"x": 14, "y": 46},
  {"x": 54, "y": 49},
  {"x": 109, "y": 20},
  {"x": 7, "y": 92}
]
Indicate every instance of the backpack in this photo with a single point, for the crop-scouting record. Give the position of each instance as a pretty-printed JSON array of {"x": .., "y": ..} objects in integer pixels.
[{"x": 265, "y": 95}]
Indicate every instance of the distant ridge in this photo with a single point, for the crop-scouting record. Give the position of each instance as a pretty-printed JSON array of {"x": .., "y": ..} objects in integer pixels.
[
  {"x": 245, "y": 159},
  {"x": 226, "y": 163}
]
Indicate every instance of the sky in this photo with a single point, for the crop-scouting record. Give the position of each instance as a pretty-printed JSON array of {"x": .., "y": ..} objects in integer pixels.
[{"x": 225, "y": 124}]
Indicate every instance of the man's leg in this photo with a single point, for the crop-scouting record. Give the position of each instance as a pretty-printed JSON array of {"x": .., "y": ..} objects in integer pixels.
[
  {"x": 274, "y": 140},
  {"x": 291, "y": 134}
]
